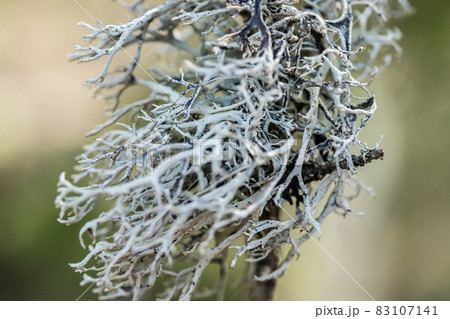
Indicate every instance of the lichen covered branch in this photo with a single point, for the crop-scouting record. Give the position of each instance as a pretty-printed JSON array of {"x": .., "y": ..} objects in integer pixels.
[{"x": 267, "y": 111}]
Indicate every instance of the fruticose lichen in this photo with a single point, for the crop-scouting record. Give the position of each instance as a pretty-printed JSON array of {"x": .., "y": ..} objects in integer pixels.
[{"x": 267, "y": 110}]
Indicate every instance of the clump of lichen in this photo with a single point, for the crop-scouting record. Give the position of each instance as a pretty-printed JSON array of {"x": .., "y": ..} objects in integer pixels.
[{"x": 267, "y": 110}]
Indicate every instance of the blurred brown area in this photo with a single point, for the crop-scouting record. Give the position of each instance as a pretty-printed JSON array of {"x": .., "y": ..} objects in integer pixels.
[{"x": 398, "y": 250}]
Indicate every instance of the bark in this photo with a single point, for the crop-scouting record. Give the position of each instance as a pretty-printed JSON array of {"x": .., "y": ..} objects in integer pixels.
[{"x": 264, "y": 290}]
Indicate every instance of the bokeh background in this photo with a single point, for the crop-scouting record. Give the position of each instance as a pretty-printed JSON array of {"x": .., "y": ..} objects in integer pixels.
[{"x": 399, "y": 250}]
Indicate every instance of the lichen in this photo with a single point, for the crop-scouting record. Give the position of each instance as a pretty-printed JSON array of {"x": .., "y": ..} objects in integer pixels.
[{"x": 265, "y": 114}]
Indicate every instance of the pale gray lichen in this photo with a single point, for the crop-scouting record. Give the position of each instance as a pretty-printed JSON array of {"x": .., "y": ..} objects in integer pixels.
[{"x": 268, "y": 110}]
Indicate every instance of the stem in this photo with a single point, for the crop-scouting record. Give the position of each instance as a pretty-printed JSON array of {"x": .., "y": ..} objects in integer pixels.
[{"x": 263, "y": 290}]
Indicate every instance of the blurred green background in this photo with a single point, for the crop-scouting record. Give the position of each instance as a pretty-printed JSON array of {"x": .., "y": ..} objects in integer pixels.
[{"x": 399, "y": 250}]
